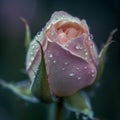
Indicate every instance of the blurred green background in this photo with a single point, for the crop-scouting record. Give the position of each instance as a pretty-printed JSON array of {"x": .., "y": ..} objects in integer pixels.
[{"x": 102, "y": 17}]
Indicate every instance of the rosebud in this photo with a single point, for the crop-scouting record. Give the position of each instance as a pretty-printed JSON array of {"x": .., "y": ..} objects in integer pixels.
[
  {"x": 62, "y": 59},
  {"x": 70, "y": 54}
]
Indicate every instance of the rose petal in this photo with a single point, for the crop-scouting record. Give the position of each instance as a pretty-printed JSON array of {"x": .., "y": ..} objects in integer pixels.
[
  {"x": 64, "y": 16},
  {"x": 34, "y": 54},
  {"x": 78, "y": 47},
  {"x": 67, "y": 73}
]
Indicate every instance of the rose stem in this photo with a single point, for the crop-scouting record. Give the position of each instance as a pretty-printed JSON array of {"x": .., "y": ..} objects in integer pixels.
[
  {"x": 59, "y": 109},
  {"x": 56, "y": 110}
]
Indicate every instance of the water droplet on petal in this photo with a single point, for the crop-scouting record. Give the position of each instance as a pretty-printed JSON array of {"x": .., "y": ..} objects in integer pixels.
[
  {"x": 71, "y": 74},
  {"x": 93, "y": 75},
  {"x": 63, "y": 68},
  {"x": 54, "y": 61},
  {"x": 85, "y": 50},
  {"x": 79, "y": 78},
  {"x": 86, "y": 53},
  {"x": 77, "y": 68},
  {"x": 92, "y": 71},
  {"x": 50, "y": 55},
  {"x": 85, "y": 67},
  {"x": 32, "y": 58},
  {"x": 90, "y": 37},
  {"x": 77, "y": 47},
  {"x": 91, "y": 46},
  {"x": 33, "y": 46},
  {"x": 28, "y": 65},
  {"x": 66, "y": 63}
]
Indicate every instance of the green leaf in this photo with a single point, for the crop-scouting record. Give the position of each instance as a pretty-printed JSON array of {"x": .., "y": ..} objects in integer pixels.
[
  {"x": 79, "y": 103},
  {"x": 20, "y": 89},
  {"x": 40, "y": 87},
  {"x": 27, "y": 33}
]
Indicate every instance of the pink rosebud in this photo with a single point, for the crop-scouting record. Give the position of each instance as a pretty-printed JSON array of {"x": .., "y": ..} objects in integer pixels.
[{"x": 70, "y": 55}]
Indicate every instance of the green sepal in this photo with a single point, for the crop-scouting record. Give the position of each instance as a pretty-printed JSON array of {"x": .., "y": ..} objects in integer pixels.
[
  {"x": 21, "y": 89},
  {"x": 27, "y": 33},
  {"x": 102, "y": 56},
  {"x": 40, "y": 87},
  {"x": 79, "y": 103}
]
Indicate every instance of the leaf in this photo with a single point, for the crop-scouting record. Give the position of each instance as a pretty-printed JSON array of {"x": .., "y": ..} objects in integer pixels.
[
  {"x": 40, "y": 87},
  {"x": 27, "y": 34},
  {"x": 79, "y": 103},
  {"x": 20, "y": 89}
]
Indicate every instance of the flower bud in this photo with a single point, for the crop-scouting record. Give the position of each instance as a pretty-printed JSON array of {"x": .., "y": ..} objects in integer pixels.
[{"x": 70, "y": 54}]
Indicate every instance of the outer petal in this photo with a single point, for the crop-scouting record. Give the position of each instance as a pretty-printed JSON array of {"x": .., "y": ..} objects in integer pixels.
[
  {"x": 67, "y": 73},
  {"x": 34, "y": 54}
]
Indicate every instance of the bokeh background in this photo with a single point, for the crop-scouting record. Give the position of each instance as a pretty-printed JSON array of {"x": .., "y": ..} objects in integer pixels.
[{"x": 102, "y": 17}]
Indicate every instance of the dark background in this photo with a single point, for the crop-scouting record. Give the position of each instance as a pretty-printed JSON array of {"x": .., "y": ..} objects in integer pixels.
[{"x": 102, "y": 17}]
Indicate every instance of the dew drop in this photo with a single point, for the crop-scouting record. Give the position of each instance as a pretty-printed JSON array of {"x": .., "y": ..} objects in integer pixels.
[
  {"x": 86, "y": 53},
  {"x": 93, "y": 75},
  {"x": 85, "y": 50},
  {"x": 66, "y": 63},
  {"x": 50, "y": 55},
  {"x": 71, "y": 74},
  {"x": 79, "y": 78},
  {"x": 54, "y": 61},
  {"x": 78, "y": 68},
  {"x": 92, "y": 71},
  {"x": 77, "y": 47},
  {"x": 91, "y": 46},
  {"x": 91, "y": 37},
  {"x": 85, "y": 67},
  {"x": 32, "y": 58},
  {"x": 29, "y": 64},
  {"x": 63, "y": 68},
  {"x": 33, "y": 46}
]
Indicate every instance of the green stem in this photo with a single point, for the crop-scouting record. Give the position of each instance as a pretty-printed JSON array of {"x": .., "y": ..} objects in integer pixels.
[
  {"x": 56, "y": 110},
  {"x": 59, "y": 109}
]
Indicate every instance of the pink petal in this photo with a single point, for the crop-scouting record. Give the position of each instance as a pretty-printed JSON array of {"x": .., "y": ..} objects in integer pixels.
[{"x": 67, "y": 73}]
